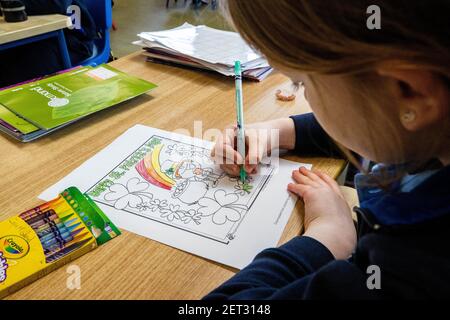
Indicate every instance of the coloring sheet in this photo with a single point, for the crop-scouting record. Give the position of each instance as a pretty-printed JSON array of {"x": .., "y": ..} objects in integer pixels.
[{"x": 164, "y": 186}]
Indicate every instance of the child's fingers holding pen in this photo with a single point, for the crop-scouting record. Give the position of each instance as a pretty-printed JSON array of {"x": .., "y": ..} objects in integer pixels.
[
  {"x": 224, "y": 151},
  {"x": 254, "y": 152},
  {"x": 227, "y": 158},
  {"x": 254, "y": 156},
  {"x": 221, "y": 140},
  {"x": 231, "y": 169},
  {"x": 228, "y": 155},
  {"x": 250, "y": 166}
]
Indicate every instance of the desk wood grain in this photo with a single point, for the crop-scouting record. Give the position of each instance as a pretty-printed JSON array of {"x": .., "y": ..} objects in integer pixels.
[
  {"x": 35, "y": 25},
  {"x": 131, "y": 266}
]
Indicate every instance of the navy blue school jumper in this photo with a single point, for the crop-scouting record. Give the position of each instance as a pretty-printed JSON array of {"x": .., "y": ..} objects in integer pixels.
[{"x": 404, "y": 233}]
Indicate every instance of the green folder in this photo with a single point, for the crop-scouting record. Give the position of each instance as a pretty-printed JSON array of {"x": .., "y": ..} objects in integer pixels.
[
  {"x": 59, "y": 100},
  {"x": 15, "y": 121}
]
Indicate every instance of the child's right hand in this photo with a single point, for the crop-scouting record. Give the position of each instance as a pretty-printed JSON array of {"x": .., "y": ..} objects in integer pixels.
[{"x": 259, "y": 143}]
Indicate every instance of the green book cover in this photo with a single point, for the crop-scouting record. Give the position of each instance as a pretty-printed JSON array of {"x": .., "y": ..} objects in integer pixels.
[
  {"x": 63, "y": 98},
  {"x": 15, "y": 121}
]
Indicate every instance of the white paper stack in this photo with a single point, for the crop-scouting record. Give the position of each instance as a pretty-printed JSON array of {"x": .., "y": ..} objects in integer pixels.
[{"x": 205, "y": 48}]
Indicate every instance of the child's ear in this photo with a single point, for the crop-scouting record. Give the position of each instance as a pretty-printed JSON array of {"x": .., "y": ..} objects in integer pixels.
[{"x": 422, "y": 95}]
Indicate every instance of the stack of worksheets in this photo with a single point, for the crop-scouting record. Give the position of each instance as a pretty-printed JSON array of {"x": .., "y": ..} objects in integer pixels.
[{"x": 204, "y": 48}]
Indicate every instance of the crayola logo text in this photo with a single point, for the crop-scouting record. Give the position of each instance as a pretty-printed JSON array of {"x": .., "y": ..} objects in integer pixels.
[
  {"x": 14, "y": 247},
  {"x": 3, "y": 267}
]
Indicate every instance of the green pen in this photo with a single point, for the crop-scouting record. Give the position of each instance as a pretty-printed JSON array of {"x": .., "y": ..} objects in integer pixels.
[{"x": 240, "y": 116}]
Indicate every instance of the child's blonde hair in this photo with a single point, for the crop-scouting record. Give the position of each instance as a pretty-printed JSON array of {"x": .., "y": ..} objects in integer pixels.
[{"x": 332, "y": 38}]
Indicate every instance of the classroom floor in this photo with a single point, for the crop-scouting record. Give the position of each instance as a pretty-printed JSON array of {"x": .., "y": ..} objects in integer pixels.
[{"x": 134, "y": 16}]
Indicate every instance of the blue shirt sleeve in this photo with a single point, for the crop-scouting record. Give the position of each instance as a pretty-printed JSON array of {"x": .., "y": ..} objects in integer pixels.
[
  {"x": 301, "y": 269},
  {"x": 311, "y": 139},
  {"x": 273, "y": 270}
]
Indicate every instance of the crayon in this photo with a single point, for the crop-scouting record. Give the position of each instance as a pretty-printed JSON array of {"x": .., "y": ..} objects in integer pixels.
[
  {"x": 56, "y": 236},
  {"x": 50, "y": 229},
  {"x": 50, "y": 226},
  {"x": 63, "y": 236},
  {"x": 42, "y": 207},
  {"x": 59, "y": 227},
  {"x": 61, "y": 221},
  {"x": 66, "y": 213},
  {"x": 56, "y": 246},
  {"x": 66, "y": 220},
  {"x": 66, "y": 250},
  {"x": 55, "y": 233},
  {"x": 33, "y": 212},
  {"x": 70, "y": 222},
  {"x": 54, "y": 241},
  {"x": 39, "y": 210},
  {"x": 56, "y": 230},
  {"x": 44, "y": 220},
  {"x": 47, "y": 214},
  {"x": 52, "y": 220},
  {"x": 40, "y": 216}
]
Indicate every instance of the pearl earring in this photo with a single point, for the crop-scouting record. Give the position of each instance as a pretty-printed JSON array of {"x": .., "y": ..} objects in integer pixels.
[{"x": 408, "y": 116}]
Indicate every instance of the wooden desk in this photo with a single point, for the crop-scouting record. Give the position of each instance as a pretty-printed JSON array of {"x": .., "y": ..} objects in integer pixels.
[
  {"x": 131, "y": 266},
  {"x": 35, "y": 25}
]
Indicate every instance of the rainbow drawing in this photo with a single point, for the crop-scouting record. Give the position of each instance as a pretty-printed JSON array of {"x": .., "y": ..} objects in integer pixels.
[{"x": 150, "y": 169}]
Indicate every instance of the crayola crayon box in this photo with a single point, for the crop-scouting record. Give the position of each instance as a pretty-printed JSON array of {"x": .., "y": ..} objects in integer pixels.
[{"x": 42, "y": 239}]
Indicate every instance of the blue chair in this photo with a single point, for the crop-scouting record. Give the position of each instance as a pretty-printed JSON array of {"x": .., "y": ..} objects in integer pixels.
[{"x": 101, "y": 11}]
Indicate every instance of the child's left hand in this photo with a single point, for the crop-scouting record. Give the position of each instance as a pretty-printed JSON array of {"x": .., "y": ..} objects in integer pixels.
[{"x": 328, "y": 217}]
